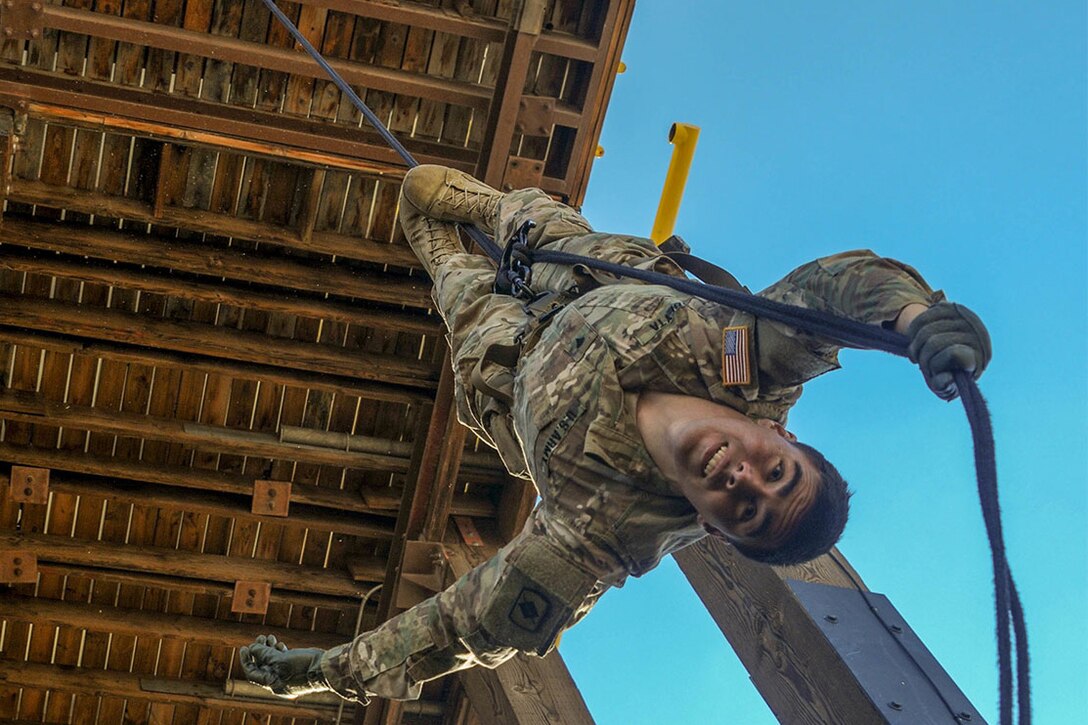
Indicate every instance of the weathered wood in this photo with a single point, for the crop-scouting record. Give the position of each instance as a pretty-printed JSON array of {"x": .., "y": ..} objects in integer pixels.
[
  {"x": 144, "y": 688},
  {"x": 317, "y": 307},
  {"x": 205, "y": 259},
  {"x": 141, "y": 623},
  {"x": 796, "y": 670},
  {"x": 209, "y": 340},
  {"x": 195, "y": 478},
  {"x": 117, "y": 354},
  {"x": 196, "y": 220},
  {"x": 238, "y": 51},
  {"x": 205, "y": 566},
  {"x": 598, "y": 91}
]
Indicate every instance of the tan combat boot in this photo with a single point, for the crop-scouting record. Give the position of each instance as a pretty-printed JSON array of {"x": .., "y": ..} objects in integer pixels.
[
  {"x": 433, "y": 241},
  {"x": 452, "y": 196}
]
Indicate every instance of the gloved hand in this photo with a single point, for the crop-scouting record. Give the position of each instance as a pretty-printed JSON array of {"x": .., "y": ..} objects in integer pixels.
[
  {"x": 286, "y": 672},
  {"x": 948, "y": 337}
]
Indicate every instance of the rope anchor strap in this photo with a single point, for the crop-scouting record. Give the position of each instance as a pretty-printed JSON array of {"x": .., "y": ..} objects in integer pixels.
[{"x": 517, "y": 257}]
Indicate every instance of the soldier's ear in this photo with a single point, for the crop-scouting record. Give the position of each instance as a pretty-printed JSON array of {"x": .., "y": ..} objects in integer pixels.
[
  {"x": 777, "y": 428},
  {"x": 711, "y": 530}
]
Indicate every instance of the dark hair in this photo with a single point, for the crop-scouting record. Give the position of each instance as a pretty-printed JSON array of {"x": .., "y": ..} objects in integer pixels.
[{"x": 820, "y": 527}]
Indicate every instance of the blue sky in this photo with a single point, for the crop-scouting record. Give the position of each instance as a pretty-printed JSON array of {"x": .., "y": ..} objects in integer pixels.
[{"x": 950, "y": 135}]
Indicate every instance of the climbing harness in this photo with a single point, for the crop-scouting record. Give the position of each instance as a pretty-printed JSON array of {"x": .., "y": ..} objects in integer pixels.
[{"x": 514, "y": 276}]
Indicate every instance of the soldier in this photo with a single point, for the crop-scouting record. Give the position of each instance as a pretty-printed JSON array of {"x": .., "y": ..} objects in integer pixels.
[{"x": 647, "y": 418}]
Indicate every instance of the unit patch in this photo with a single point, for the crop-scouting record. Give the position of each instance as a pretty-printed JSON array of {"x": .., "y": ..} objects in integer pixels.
[
  {"x": 530, "y": 609},
  {"x": 736, "y": 362}
]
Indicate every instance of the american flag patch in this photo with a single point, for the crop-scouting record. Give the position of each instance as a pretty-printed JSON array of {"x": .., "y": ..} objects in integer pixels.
[{"x": 736, "y": 369}]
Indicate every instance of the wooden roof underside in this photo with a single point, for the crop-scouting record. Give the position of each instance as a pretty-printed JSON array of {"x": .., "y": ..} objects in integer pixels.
[{"x": 199, "y": 250}]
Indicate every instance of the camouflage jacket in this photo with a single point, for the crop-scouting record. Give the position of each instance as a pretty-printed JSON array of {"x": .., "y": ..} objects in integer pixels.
[{"x": 606, "y": 512}]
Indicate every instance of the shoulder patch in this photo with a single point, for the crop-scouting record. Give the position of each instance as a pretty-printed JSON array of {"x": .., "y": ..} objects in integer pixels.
[{"x": 736, "y": 360}]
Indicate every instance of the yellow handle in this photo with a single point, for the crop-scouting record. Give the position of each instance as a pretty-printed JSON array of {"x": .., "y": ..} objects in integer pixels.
[{"x": 683, "y": 137}]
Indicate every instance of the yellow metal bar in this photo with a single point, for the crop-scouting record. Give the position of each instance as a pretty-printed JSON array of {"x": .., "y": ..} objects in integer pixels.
[{"x": 683, "y": 138}]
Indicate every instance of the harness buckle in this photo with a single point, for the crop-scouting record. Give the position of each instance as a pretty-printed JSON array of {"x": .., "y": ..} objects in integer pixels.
[{"x": 515, "y": 271}]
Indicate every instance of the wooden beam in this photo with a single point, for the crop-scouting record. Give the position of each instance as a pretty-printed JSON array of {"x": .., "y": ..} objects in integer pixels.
[
  {"x": 191, "y": 565},
  {"x": 486, "y": 29},
  {"x": 367, "y": 453},
  {"x": 210, "y": 340},
  {"x": 195, "y": 478},
  {"x": 153, "y": 625},
  {"x": 125, "y": 685},
  {"x": 232, "y": 369},
  {"x": 247, "y": 297},
  {"x": 232, "y": 50},
  {"x": 524, "y": 689},
  {"x": 125, "y": 491},
  {"x": 218, "y": 261},
  {"x": 502, "y": 114},
  {"x": 287, "y": 138},
  {"x": 602, "y": 78},
  {"x": 198, "y": 220},
  {"x": 795, "y": 668},
  {"x": 283, "y": 597}
]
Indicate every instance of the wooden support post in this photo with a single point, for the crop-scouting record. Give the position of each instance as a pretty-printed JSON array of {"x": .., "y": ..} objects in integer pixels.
[{"x": 792, "y": 664}]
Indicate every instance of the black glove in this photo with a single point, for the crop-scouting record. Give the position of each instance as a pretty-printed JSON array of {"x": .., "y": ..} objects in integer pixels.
[
  {"x": 286, "y": 672},
  {"x": 948, "y": 337}
]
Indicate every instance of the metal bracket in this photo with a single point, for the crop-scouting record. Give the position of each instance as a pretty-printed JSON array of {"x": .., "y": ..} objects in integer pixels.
[
  {"x": 898, "y": 674},
  {"x": 271, "y": 498},
  {"x": 18, "y": 567},
  {"x": 29, "y": 484},
  {"x": 536, "y": 116},
  {"x": 469, "y": 534},
  {"x": 21, "y": 20},
  {"x": 251, "y": 597},
  {"x": 424, "y": 571},
  {"x": 522, "y": 173}
]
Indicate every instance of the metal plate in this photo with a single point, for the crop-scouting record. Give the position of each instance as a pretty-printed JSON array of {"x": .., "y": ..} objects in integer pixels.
[
  {"x": 251, "y": 597},
  {"x": 18, "y": 567},
  {"x": 271, "y": 498},
  {"x": 29, "y": 485},
  {"x": 892, "y": 665},
  {"x": 522, "y": 173}
]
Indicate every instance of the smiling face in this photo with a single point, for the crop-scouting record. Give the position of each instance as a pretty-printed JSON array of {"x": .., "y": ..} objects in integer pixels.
[{"x": 745, "y": 478}]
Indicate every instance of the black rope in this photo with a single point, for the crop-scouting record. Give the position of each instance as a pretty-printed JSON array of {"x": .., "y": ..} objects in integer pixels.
[{"x": 847, "y": 332}]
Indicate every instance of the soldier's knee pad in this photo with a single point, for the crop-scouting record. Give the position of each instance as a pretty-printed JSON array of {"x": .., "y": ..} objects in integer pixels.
[{"x": 539, "y": 593}]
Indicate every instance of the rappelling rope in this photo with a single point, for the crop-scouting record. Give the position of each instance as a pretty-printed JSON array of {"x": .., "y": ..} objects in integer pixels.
[{"x": 848, "y": 332}]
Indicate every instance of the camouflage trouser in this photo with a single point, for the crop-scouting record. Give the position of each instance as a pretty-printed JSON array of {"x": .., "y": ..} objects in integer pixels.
[{"x": 443, "y": 634}]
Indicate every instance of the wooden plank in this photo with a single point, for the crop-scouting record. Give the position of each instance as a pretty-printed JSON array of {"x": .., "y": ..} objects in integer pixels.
[
  {"x": 238, "y": 51},
  {"x": 142, "y": 623},
  {"x": 105, "y": 274},
  {"x": 200, "y": 479},
  {"x": 213, "y": 341},
  {"x": 339, "y": 244},
  {"x": 113, "y": 355},
  {"x": 788, "y": 658},
  {"x": 205, "y": 566},
  {"x": 143, "y": 689}
]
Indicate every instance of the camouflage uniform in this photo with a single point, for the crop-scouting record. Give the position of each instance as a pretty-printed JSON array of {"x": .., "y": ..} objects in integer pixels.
[{"x": 566, "y": 416}]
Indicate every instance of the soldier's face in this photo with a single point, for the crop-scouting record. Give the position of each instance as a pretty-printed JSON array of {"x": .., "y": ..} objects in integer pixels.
[{"x": 745, "y": 478}]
